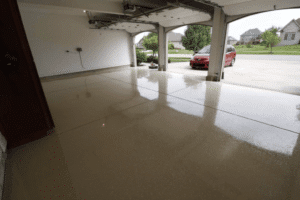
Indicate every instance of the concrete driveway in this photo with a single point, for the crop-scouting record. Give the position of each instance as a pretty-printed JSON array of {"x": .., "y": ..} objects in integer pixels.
[{"x": 272, "y": 72}]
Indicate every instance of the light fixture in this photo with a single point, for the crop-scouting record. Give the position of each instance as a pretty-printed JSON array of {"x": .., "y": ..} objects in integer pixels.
[{"x": 84, "y": 11}]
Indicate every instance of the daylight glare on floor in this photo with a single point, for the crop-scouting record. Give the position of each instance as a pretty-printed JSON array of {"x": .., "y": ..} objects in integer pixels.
[{"x": 137, "y": 133}]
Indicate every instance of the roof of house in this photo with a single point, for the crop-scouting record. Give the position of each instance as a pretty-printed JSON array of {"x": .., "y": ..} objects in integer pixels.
[
  {"x": 254, "y": 31},
  {"x": 141, "y": 40},
  {"x": 297, "y": 22},
  {"x": 140, "y": 43},
  {"x": 230, "y": 38},
  {"x": 175, "y": 37}
]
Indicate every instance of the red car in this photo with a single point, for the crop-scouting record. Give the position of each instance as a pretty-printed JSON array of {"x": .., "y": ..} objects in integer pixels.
[{"x": 200, "y": 60}]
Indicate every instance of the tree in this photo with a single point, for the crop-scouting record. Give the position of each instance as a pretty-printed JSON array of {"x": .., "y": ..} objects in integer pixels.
[
  {"x": 151, "y": 43},
  {"x": 171, "y": 46},
  {"x": 271, "y": 38},
  {"x": 150, "y": 35},
  {"x": 196, "y": 37},
  {"x": 274, "y": 29}
]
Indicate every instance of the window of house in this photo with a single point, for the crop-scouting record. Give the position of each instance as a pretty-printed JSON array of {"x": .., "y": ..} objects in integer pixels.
[
  {"x": 289, "y": 36},
  {"x": 293, "y": 36}
]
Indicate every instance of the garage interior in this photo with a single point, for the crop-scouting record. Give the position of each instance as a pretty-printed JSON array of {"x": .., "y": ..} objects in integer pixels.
[{"x": 124, "y": 132}]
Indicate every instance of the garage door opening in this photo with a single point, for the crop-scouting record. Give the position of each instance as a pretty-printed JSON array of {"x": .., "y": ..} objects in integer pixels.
[
  {"x": 263, "y": 65},
  {"x": 248, "y": 61}
]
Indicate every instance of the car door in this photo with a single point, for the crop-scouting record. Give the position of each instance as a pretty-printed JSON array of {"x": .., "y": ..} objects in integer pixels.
[{"x": 233, "y": 53}]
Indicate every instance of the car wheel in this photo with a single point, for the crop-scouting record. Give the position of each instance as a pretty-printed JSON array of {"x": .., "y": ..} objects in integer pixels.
[{"x": 232, "y": 62}]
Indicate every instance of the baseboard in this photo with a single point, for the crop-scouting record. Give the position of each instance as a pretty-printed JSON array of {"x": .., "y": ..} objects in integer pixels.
[{"x": 83, "y": 73}]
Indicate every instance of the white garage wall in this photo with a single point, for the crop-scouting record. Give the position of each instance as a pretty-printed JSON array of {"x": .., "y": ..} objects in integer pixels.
[{"x": 50, "y": 35}]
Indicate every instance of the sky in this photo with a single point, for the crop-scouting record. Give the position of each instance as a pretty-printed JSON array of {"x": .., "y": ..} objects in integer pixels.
[{"x": 261, "y": 21}]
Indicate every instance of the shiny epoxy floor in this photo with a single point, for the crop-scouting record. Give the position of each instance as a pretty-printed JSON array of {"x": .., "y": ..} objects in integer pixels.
[{"x": 141, "y": 134}]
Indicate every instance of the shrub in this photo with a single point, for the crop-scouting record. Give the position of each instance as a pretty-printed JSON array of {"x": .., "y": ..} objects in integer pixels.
[
  {"x": 155, "y": 60},
  {"x": 152, "y": 59},
  {"x": 248, "y": 45},
  {"x": 140, "y": 57},
  {"x": 171, "y": 46},
  {"x": 263, "y": 43}
]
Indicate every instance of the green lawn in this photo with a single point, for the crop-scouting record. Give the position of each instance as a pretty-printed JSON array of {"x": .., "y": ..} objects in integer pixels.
[
  {"x": 257, "y": 49},
  {"x": 181, "y": 52},
  {"x": 179, "y": 59}
]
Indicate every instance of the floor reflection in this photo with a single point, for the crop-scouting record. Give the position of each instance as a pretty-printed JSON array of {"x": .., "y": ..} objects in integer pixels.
[{"x": 134, "y": 139}]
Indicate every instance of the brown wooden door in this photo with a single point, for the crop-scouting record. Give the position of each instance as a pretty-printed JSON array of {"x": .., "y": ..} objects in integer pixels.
[{"x": 24, "y": 113}]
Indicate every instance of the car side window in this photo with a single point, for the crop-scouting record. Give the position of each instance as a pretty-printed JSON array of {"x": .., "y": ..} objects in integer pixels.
[{"x": 227, "y": 50}]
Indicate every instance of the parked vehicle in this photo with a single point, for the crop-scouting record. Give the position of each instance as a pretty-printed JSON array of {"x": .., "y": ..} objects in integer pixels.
[{"x": 200, "y": 59}]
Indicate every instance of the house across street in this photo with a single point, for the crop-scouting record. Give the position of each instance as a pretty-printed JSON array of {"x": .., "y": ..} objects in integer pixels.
[{"x": 290, "y": 34}]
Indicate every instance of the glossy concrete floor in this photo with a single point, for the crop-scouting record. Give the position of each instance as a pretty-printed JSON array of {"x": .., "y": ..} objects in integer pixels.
[{"x": 142, "y": 134}]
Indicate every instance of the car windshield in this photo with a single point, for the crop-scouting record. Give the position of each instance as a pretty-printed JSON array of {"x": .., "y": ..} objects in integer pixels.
[{"x": 204, "y": 50}]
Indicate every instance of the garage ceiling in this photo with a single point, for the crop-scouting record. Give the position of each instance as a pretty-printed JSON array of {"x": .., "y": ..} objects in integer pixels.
[
  {"x": 176, "y": 16},
  {"x": 168, "y": 13},
  {"x": 166, "y": 18},
  {"x": 132, "y": 27},
  {"x": 240, "y": 7}
]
